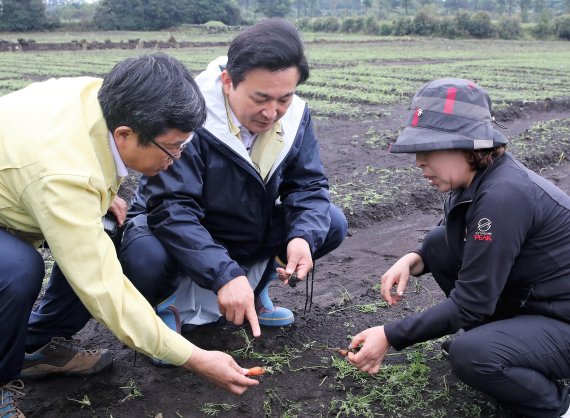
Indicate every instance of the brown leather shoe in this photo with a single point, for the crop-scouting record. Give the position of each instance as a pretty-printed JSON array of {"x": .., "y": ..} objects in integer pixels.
[
  {"x": 62, "y": 356},
  {"x": 8, "y": 394}
]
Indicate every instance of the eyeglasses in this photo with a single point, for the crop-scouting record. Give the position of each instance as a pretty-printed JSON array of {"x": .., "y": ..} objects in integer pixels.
[{"x": 180, "y": 148}]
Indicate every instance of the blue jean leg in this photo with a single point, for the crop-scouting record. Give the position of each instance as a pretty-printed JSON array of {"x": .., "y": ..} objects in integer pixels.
[
  {"x": 60, "y": 313},
  {"x": 337, "y": 232},
  {"x": 146, "y": 262},
  {"x": 21, "y": 276}
]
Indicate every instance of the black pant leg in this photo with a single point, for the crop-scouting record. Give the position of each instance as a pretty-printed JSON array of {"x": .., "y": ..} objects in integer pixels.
[
  {"x": 518, "y": 362},
  {"x": 439, "y": 260}
]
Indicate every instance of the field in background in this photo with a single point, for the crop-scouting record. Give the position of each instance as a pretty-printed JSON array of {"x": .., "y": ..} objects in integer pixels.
[{"x": 350, "y": 73}]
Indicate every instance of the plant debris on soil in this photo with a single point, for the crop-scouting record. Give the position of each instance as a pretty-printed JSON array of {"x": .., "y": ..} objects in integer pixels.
[{"x": 389, "y": 209}]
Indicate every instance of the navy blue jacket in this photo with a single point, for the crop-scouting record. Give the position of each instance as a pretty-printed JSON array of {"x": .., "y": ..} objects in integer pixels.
[
  {"x": 511, "y": 232},
  {"x": 211, "y": 209}
]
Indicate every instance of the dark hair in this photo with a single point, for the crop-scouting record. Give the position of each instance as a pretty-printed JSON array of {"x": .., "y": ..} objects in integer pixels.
[
  {"x": 273, "y": 44},
  {"x": 483, "y": 158},
  {"x": 151, "y": 94}
]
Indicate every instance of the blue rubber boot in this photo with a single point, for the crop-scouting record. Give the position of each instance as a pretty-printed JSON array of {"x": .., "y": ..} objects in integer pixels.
[
  {"x": 268, "y": 314},
  {"x": 169, "y": 315}
]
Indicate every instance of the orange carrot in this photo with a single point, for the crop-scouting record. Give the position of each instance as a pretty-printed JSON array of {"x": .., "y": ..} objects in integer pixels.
[
  {"x": 342, "y": 351},
  {"x": 256, "y": 371}
]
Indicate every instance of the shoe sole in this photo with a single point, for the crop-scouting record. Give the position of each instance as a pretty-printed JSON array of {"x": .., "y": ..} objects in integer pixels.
[
  {"x": 56, "y": 371},
  {"x": 276, "y": 322}
]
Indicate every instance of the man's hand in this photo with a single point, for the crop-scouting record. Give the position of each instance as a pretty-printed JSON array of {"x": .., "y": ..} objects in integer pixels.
[
  {"x": 119, "y": 209},
  {"x": 299, "y": 260},
  {"x": 236, "y": 302},
  {"x": 375, "y": 345},
  {"x": 220, "y": 369}
]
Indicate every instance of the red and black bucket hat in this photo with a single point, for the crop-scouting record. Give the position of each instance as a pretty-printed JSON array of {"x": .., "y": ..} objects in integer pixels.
[{"x": 450, "y": 113}]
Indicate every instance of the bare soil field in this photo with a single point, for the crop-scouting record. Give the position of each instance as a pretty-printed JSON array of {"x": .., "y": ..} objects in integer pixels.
[{"x": 307, "y": 379}]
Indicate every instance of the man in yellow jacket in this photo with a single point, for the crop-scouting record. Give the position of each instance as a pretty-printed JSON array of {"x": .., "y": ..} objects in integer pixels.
[{"x": 65, "y": 145}]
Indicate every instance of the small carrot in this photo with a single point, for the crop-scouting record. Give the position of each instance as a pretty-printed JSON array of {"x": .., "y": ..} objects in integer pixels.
[
  {"x": 342, "y": 352},
  {"x": 256, "y": 371}
]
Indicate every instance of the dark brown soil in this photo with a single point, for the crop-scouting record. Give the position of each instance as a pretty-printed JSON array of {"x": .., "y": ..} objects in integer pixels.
[{"x": 309, "y": 384}]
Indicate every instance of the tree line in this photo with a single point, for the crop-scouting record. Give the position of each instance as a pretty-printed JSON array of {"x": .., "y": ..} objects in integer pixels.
[
  {"x": 28, "y": 15},
  {"x": 459, "y": 25}
]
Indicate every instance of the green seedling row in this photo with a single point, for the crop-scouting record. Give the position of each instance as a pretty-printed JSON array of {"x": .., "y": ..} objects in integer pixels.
[{"x": 348, "y": 70}]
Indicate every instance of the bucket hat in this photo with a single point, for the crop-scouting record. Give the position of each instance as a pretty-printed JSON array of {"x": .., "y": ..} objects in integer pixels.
[{"x": 449, "y": 113}]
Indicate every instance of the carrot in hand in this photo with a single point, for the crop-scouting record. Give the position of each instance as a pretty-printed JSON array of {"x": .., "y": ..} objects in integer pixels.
[
  {"x": 344, "y": 351},
  {"x": 256, "y": 371}
]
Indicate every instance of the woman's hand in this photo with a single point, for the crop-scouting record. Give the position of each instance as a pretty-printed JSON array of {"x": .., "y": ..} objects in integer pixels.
[
  {"x": 375, "y": 345},
  {"x": 398, "y": 276}
]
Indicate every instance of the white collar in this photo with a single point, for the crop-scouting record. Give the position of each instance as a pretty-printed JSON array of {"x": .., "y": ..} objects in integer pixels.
[{"x": 119, "y": 164}]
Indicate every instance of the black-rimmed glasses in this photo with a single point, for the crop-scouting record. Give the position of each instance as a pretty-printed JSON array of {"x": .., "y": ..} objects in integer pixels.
[{"x": 180, "y": 148}]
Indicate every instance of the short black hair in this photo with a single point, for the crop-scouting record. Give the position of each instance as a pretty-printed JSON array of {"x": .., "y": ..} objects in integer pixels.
[
  {"x": 273, "y": 44},
  {"x": 482, "y": 158},
  {"x": 150, "y": 94}
]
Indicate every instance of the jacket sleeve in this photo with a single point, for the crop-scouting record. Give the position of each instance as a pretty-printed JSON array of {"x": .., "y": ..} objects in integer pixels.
[
  {"x": 486, "y": 265},
  {"x": 175, "y": 212},
  {"x": 304, "y": 190},
  {"x": 68, "y": 211}
]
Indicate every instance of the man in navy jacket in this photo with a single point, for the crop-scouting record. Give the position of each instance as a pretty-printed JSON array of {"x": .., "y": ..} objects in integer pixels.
[{"x": 248, "y": 192}]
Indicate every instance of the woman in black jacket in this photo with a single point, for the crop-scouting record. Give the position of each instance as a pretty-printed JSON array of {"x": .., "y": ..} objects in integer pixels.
[{"x": 501, "y": 254}]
